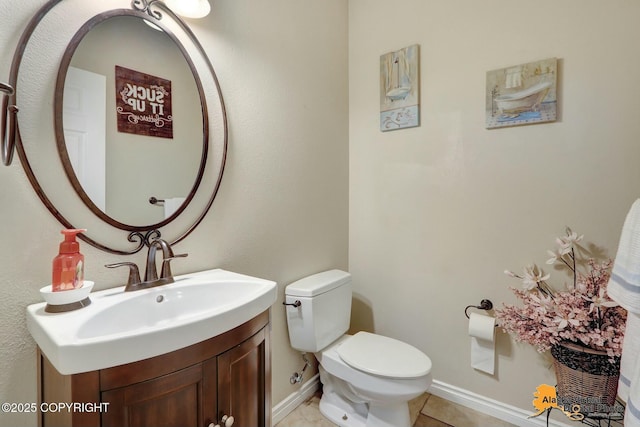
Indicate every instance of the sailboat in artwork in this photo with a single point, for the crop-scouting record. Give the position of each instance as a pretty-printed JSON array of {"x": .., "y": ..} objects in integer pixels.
[
  {"x": 399, "y": 89},
  {"x": 398, "y": 92}
]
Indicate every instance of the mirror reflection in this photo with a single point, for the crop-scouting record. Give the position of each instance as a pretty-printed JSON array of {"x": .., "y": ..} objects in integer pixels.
[{"x": 133, "y": 122}]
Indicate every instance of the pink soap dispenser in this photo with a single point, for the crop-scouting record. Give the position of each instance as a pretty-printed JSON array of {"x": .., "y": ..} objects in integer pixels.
[{"x": 68, "y": 266}]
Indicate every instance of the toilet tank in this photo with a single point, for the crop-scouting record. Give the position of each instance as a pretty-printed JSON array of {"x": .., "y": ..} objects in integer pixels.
[{"x": 324, "y": 313}]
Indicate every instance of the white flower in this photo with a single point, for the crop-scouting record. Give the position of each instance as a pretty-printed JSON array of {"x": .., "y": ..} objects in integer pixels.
[
  {"x": 566, "y": 243},
  {"x": 545, "y": 302},
  {"x": 532, "y": 277},
  {"x": 572, "y": 237},
  {"x": 600, "y": 301},
  {"x": 511, "y": 274},
  {"x": 555, "y": 256},
  {"x": 564, "y": 247},
  {"x": 563, "y": 320}
]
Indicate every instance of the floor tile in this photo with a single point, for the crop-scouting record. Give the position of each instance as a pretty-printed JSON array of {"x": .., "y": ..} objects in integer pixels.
[
  {"x": 425, "y": 421},
  {"x": 308, "y": 415},
  {"x": 426, "y": 411},
  {"x": 459, "y": 416},
  {"x": 416, "y": 405}
]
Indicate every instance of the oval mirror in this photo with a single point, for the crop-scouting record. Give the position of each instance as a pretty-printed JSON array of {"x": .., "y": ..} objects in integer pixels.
[
  {"x": 129, "y": 122},
  {"x": 143, "y": 56}
]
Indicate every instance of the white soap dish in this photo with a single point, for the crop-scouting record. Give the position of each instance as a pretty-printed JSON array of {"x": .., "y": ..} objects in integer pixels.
[{"x": 68, "y": 300}]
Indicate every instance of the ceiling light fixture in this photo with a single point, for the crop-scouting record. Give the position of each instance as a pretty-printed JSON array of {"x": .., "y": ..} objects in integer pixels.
[{"x": 190, "y": 8}]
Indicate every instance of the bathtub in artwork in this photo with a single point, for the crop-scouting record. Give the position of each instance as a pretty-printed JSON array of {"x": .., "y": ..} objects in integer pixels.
[
  {"x": 522, "y": 94},
  {"x": 525, "y": 100}
]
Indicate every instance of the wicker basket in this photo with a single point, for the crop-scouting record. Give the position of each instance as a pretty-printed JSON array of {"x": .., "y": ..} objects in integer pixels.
[{"x": 585, "y": 376}]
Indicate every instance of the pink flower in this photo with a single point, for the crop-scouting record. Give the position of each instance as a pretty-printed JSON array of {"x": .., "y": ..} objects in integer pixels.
[{"x": 581, "y": 313}]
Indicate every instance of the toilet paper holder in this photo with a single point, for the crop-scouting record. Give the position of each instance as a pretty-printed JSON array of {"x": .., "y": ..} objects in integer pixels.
[{"x": 485, "y": 304}]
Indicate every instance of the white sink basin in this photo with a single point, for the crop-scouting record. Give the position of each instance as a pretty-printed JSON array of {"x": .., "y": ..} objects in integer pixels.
[{"x": 121, "y": 327}]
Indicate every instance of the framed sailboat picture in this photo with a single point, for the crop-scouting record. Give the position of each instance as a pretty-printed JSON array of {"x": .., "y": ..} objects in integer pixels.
[
  {"x": 400, "y": 89},
  {"x": 522, "y": 94}
]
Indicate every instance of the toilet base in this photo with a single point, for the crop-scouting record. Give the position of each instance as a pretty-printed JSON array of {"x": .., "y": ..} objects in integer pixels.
[{"x": 344, "y": 413}]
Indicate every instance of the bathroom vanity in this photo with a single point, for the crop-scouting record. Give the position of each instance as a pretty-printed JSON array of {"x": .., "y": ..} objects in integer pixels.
[
  {"x": 191, "y": 353},
  {"x": 227, "y": 375}
]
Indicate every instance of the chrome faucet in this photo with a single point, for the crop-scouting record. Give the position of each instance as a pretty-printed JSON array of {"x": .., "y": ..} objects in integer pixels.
[{"x": 151, "y": 278}]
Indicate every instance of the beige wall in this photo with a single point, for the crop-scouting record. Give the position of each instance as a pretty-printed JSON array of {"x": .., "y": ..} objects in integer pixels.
[
  {"x": 282, "y": 209},
  {"x": 438, "y": 212}
]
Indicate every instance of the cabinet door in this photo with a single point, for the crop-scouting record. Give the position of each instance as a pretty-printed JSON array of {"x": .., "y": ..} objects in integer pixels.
[
  {"x": 243, "y": 381},
  {"x": 185, "y": 398}
]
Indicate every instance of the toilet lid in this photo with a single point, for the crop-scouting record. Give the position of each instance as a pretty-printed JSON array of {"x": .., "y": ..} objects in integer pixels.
[{"x": 384, "y": 356}]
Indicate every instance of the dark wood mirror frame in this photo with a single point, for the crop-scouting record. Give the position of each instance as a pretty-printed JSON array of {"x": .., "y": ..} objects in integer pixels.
[{"x": 138, "y": 236}]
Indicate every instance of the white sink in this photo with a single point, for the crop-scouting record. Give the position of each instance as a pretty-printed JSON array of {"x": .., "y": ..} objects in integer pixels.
[{"x": 121, "y": 327}]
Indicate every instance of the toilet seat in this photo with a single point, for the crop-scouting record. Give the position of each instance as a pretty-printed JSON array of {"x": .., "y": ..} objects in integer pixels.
[{"x": 383, "y": 356}]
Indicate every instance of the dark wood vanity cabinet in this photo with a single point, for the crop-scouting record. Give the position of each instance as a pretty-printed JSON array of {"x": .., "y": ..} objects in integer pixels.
[
  {"x": 184, "y": 397},
  {"x": 228, "y": 375}
]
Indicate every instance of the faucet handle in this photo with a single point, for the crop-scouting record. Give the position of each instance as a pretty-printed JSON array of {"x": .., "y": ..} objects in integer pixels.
[
  {"x": 166, "y": 268},
  {"x": 134, "y": 273}
]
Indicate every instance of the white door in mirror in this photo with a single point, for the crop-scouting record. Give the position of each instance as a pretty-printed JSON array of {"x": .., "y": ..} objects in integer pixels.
[{"x": 84, "y": 130}]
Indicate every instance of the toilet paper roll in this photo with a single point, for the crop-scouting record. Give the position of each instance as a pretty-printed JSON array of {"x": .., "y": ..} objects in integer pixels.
[{"x": 482, "y": 331}]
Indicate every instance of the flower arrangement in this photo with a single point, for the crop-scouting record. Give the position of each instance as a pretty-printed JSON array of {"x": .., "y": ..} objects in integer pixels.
[{"x": 582, "y": 312}]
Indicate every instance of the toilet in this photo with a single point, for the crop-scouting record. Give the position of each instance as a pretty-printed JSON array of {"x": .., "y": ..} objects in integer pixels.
[{"x": 367, "y": 379}]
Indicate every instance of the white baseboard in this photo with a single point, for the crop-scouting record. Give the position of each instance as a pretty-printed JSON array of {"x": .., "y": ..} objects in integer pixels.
[
  {"x": 295, "y": 399},
  {"x": 491, "y": 407},
  {"x": 454, "y": 394}
]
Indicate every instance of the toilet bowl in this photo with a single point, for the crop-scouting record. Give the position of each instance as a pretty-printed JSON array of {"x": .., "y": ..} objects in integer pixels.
[
  {"x": 367, "y": 379},
  {"x": 387, "y": 374}
]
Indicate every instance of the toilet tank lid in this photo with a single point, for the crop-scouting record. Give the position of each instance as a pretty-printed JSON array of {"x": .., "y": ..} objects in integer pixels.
[{"x": 318, "y": 283}]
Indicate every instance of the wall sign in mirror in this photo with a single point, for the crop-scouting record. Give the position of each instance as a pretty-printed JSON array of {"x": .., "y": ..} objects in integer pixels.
[
  {"x": 143, "y": 103},
  {"x": 171, "y": 145}
]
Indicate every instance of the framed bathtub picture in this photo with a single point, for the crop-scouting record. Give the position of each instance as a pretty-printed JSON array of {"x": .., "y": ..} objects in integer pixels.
[
  {"x": 400, "y": 89},
  {"x": 522, "y": 94}
]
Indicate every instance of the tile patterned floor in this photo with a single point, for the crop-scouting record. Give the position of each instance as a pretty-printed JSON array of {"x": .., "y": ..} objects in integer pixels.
[
  {"x": 426, "y": 411},
  {"x": 457, "y": 415}
]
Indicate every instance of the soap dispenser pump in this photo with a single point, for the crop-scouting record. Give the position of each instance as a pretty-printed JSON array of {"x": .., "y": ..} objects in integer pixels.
[{"x": 68, "y": 266}]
